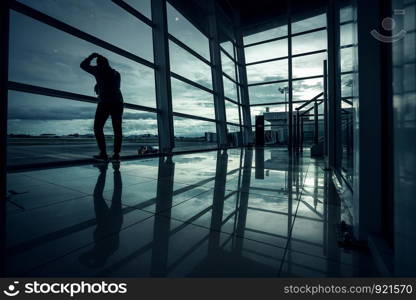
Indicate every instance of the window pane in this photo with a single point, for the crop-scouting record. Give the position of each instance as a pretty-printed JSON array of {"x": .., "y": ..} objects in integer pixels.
[
  {"x": 187, "y": 33},
  {"x": 347, "y": 85},
  {"x": 269, "y": 71},
  {"x": 267, "y": 93},
  {"x": 308, "y": 24},
  {"x": 346, "y": 14},
  {"x": 230, "y": 89},
  {"x": 266, "y": 51},
  {"x": 346, "y": 34},
  {"x": 44, "y": 56},
  {"x": 191, "y": 100},
  {"x": 180, "y": 62},
  {"x": 194, "y": 134},
  {"x": 44, "y": 129},
  {"x": 347, "y": 59},
  {"x": 266, "y": 35},
  {"x": 103, "y": 19},
  {"x": 348, "y": 55},
  {"x": 234, "y": 137},
  {"x": 309, "y": 42},
  {"x": 232, "y": 128},
  {"x": 228, "y": 47},
  {"x": 307, "y": 89},
  {"x": 232, "y": 112},
  {"x": 279, "y": 108},
  {"x": 142, "y": 6},
  {"x": 260, "y": 110},
  {"x": 228, "y": 66},
  {"x": 308, "y": 65}
]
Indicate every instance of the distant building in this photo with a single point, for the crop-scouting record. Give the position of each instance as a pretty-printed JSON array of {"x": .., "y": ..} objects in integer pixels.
[{"x": 210, "y": 137}]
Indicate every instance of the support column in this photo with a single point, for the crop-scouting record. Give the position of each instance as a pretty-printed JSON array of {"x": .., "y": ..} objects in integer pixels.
[
  {"x": 302, "y": 134},
  {"x": 245, "y": 101},
  {"x": 298, "y": 133},
  {"x": 290, "y": 75},
  {"x": 162, "y": 76},
  {"x": 325, "y": 108},
  {"x": 368, "y": 146},
  {"x": 316, "y": 125},
  {"x": 4, "y": 57},
  {"x": 217, "y": 81},
  {"x": 334, "y": 86}
]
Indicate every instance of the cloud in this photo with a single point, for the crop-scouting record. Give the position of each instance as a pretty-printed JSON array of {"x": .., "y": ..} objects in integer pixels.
[{"x": 132, "y": 115}]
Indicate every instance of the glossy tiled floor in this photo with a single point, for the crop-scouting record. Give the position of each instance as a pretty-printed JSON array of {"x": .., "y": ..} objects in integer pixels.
[{"x": 253, "y": 213}]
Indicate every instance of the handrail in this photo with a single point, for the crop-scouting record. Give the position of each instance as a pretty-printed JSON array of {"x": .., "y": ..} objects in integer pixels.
[
  {"x": 309, "y": 109},
  {"x": 347, "y": 101},
  {"x": 310, "y": 101}
]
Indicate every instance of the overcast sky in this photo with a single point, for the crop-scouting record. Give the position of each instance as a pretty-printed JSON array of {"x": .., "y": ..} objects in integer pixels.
[{"x": 44, "y": 56}]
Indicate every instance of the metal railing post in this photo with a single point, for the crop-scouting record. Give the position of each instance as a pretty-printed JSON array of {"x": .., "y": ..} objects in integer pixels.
[
  {"x": 325, "y": 108},
  {"x": 302, "y": 134},
  {"x": 217, "y": 80},
  {"x": 297, "y": 130},
  {"x": 315, "y": 132}
]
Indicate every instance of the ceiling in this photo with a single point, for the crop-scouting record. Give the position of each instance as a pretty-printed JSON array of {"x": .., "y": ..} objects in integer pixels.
[{"x": 260, "y": 15}]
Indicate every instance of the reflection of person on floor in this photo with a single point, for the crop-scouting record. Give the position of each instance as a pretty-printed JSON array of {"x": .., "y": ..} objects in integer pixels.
[
  {"x": 110, "y": 103},
  {"x": 109, "y": 220}
]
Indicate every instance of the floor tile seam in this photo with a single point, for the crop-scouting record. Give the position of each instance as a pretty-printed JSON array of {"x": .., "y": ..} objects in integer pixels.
[
  {"x": 87, "y": 245},
  {"x": 92, "y": 192},
  {"x": 225, "y": 232},
  {"x": 192, "y": 197},
  {"x": 52, "y": 204}
]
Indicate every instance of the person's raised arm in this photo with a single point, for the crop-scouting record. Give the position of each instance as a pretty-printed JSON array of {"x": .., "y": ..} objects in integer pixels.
[{"x": 86, "y": 64}]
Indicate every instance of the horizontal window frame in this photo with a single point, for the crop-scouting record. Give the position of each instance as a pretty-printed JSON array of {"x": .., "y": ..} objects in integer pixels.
[
  {"x": 229, "y": 77},
  {"x": 347, "y": 46},
  {"x": 188, "y": 49},
  {"x": 130, "y": 9},
  {"x": 64, "y": 27},
  {"x": 199, "y": 28},
  {"x": 188, "y": 116},
  {"x": 286, "y": 57},
  {"x": 231, "y": 100},
  {"x": 233, "y": 124},
  {"x": 267, "y": 82},
  {"x": 293, "y": 79},
  {"x": 285, "y": 37},
  {"x": 281, "y": 103},
  {"x": 228, "y": 55},
  {"x": 190, "y": 82},
  {"x": 310, "y": 31},
  {"x": 266, "y": 41},
  {"x": 38, "y": 90},
  {"x": 308, "y": 77}
]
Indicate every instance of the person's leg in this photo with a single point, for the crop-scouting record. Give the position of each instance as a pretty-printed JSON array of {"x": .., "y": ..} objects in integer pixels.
[
  {"x": 116, "y": 118},
  {"x": 101, "y": 116}
]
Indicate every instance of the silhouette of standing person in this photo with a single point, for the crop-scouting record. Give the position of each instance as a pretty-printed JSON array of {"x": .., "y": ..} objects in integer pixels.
[{"x": 110, "y": 103}]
